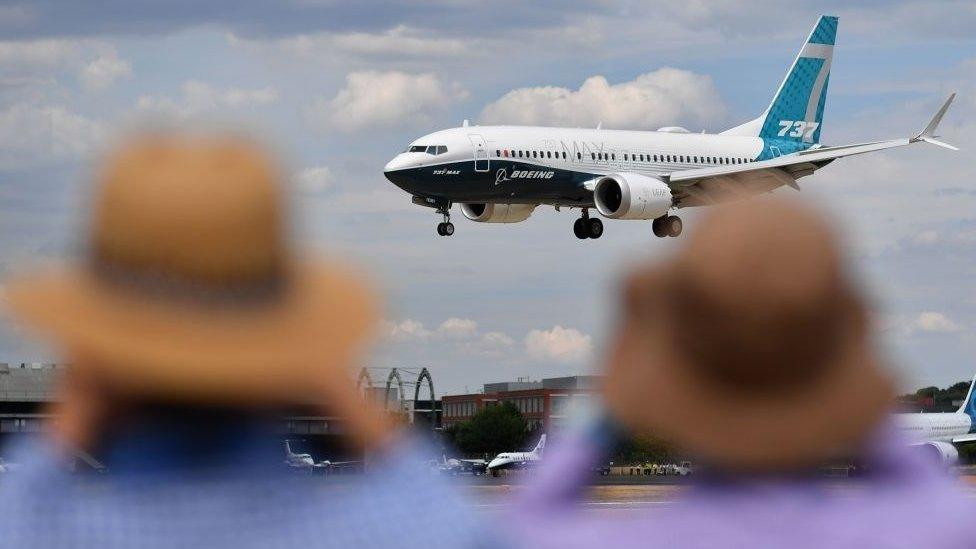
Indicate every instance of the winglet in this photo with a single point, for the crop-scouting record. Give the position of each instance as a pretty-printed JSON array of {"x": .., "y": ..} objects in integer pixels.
[{"x": 928, "y": 134}]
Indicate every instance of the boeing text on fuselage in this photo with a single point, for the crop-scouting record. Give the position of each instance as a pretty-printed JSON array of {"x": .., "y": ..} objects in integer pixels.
[{"x": 500, "y": 174}]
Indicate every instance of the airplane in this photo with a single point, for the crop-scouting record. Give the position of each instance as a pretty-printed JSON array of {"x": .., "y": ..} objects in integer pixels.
[
  {"x": 305, "y": 462},
  {"x": 500, "y": 174},
  {"x": 298, "y": 461},
  {"x": 517, "y": 460},
  {"x": 456, "y": 466},
  {"x": 941, "y": 434}
]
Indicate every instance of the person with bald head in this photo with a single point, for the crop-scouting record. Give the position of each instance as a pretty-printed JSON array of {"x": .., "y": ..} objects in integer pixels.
[
  {"x": 751, "y": 352},
  {"x": 191, "y": 326}
]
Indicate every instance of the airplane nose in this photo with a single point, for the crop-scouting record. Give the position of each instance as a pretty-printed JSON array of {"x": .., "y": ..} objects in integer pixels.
[
  {"x": 396, "y": 170},
  {"x": 399, "y": 162}
]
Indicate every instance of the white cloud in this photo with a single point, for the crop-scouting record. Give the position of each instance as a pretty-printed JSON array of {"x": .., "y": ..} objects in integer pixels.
[
  {"x": 457, "y": 336},
  {"x": 458, "y": 328},
  {"x": 39, "y": 54},
  {"x": 413, "y": 330},
  {"x": 33, "y": 135},
  {"x": 314, "y": 179},
  {"x": 405, "y": 330},
  {"x": 558, "y": 344},
  {"x": 400, "y": 41},
  {"x": 931, "y": 321},
  {"x": 199, "y": 97},
  {"x": 103, "y": 71},
  {"x": 662, "y": 97},
  {"x": 372, "y": 98}
]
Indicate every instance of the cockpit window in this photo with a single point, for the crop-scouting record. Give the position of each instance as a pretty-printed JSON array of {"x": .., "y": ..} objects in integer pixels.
[{"x": 429, "y": 149}]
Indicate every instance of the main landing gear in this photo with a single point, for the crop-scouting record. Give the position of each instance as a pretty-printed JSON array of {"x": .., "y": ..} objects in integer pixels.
[
  {"x": 587, "y": 227},
  {"x": 445, "y": 228},
  {"x": 666, "y": 225}
]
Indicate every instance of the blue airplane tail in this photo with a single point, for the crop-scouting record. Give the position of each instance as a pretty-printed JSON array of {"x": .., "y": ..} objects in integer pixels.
[
  {"x": 794, "y": 118},
  {"x": 969, "y": 405}
]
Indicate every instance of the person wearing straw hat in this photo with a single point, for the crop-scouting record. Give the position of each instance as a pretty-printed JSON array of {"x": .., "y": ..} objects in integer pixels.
[
  {"x": 190, "y": 324},
  {"x": 750, "y": 351}
]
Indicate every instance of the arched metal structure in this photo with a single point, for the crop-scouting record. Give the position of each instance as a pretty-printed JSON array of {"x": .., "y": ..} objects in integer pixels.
[
  {"x": 394, "y": 374},
  {"x": 424, "y": 374},
  {"x": 363, "y": 375},
  {"x": 403, "y": 377}
]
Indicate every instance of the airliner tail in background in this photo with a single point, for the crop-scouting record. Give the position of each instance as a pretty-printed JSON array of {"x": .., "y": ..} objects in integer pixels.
[{"x": 941, "y": 434}]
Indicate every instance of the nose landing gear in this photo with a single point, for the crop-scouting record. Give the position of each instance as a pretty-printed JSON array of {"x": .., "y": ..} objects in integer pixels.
[
  {"x": 587, "y": 227},
  {"x": 667, "y": 225},
  {"x": 445, "y": 228}
]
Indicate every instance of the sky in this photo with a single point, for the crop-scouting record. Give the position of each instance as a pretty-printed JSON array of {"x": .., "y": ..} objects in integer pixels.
[{"x": 337, "y": 89}]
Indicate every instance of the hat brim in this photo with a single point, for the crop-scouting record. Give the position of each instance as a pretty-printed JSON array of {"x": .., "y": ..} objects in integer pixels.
[
  {"x": 798, "y": 426},
  {"x": 273, "y": 351}
]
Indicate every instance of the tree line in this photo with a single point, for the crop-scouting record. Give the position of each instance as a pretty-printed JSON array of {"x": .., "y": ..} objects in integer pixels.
[{"x": 503, "y": 428}]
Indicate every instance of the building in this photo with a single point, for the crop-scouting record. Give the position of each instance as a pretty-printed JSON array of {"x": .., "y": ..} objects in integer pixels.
[
  {"x": 24, "y": 390},
  {"x": 545, "y": 404}
]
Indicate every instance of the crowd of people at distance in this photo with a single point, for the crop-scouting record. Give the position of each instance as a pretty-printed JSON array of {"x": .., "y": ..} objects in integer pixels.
[{"x": 192, "y": 321}]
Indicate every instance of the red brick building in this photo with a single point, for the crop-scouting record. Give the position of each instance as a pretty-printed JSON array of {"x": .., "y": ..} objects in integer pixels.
[{"x": 545, "y": 403}]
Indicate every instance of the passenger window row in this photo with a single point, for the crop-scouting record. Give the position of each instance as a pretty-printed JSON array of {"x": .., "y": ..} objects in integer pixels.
[
  {"x": 601, "y": 156},
  {"x": 506, "y": 153}
]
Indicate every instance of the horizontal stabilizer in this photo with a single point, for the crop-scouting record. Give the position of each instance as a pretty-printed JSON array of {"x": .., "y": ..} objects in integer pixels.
[{"x": 964, "y": 438}]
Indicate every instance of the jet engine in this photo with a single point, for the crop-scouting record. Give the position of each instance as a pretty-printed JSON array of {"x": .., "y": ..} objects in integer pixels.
[
  {"x": 497, "y": 213},
  {"x": 942, "y": 453},
  {"x": 631, "y": 196}
]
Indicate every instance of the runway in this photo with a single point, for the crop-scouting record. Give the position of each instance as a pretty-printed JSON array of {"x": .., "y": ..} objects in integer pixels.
[{"x": 628, "y": 499}]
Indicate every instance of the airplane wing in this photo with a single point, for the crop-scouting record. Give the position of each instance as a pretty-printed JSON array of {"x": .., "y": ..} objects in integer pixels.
[{"x": 701, "y": 186}]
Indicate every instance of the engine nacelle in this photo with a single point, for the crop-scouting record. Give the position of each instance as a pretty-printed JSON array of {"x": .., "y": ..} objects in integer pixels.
[
  {"x": 497, "y": 213},
  {"x": 942, "y": 453},
  {"x": 632, "y": 196}
]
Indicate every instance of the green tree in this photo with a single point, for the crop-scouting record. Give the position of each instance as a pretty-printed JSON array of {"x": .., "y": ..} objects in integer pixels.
[
  {"x": 494, "y": 429},
  {"x": 640, "y": 449}
]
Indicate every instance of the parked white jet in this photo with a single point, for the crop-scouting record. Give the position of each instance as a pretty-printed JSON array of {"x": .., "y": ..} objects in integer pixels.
[
  {"x": 456, "y": 466},
  {"x": 517, "y": 460},
  {"x": 500, "y": 174},
  {"x": 306, "y": 462},
  {"x": 942, "y": 433}
]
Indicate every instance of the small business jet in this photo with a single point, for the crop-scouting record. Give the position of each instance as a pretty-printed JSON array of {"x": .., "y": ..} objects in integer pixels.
[
  {"x": 500, "y": 174},
  {"x": 517, "y": 460},
  {"x": 305, "y": 462},
  {"x": 942, "y": 433},
  {"x": 457, "y": 466}
]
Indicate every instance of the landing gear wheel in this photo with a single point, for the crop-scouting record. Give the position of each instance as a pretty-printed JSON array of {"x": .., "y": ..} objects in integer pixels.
[
  {"x": 580, "y": 229},
  {"x": 445, "y": 229},
  {"x": 674, "y": 225},
  {"x": 594, "y": 227},
  {"x": 658, "y": 226}
]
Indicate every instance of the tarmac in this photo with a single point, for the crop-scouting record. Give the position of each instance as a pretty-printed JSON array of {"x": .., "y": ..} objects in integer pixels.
[{"x": 620, "y": 496}]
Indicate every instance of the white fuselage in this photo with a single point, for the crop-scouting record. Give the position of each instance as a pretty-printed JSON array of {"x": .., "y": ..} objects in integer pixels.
[
  {"x": 513, "y": 459},
  {"x": 933, "y": 427}
]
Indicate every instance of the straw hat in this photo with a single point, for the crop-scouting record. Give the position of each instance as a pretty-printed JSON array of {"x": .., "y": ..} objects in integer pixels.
[
  {"x": 750, "y": 349},
  {"x": 189, "y": 288}
]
